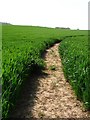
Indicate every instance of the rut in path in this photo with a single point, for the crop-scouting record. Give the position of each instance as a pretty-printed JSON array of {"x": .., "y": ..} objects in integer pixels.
[{"x": 49, "y": 95}]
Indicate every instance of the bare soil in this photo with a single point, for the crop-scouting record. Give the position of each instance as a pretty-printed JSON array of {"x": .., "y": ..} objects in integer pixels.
[{"x": 49, "y": 95}]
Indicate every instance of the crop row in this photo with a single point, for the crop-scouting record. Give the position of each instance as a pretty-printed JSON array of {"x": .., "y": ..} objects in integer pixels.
[{"x": 74, "y": 54}]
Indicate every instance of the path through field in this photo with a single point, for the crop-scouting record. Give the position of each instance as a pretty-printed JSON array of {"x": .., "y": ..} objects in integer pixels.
[{"x": 48, "y": 95}]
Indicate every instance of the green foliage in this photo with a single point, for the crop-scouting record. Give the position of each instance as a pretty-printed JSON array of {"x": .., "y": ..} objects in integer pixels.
[
  {"x": 22, "y": 49},
  {"x": 52, "y": 67},
  {"x": 74, "y": 54}
]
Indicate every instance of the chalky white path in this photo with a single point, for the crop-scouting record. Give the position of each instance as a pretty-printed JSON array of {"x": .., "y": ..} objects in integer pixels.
[{"x": 55, "y": 97}]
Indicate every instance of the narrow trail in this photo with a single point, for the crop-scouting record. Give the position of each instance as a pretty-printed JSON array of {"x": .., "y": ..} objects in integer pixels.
[{"x": 49, "y": 95}]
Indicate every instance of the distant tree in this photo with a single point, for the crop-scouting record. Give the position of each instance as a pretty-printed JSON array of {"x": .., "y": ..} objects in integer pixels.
[
  {"x": 5, "y": 23},
  {"x": 62, "y": 28},
  {"x": 78, "y": 29}
]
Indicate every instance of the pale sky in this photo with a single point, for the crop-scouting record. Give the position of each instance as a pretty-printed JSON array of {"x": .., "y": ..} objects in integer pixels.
[{"x": 49, "y": 13}]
